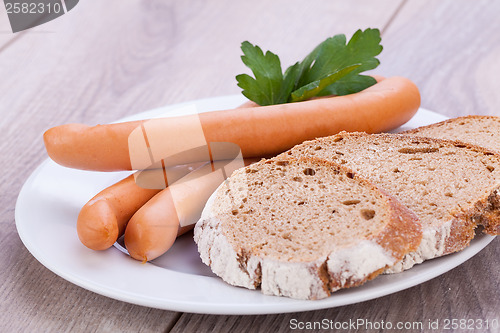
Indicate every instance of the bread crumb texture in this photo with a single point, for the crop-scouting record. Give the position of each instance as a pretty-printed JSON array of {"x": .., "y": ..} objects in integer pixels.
[{"x": 302, "y": 228}]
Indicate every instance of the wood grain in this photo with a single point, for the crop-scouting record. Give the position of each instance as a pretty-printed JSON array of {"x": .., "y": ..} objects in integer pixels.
[
  {"x": 451, "y": 50},
  {"x": 6, "y": 35},
  {"x": 107, "y": 59}
]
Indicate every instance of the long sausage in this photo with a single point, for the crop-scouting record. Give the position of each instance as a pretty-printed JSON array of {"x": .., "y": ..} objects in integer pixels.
[{"x": 258, "y": 131}]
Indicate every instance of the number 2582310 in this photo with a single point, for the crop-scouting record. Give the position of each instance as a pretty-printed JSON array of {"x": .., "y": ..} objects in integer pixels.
[{"x": 32, "y": 8}]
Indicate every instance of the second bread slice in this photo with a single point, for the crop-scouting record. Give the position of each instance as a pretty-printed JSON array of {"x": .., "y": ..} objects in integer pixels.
[
  {"x": 452, "y": 187},
  {"x": 481, "y": 131}
]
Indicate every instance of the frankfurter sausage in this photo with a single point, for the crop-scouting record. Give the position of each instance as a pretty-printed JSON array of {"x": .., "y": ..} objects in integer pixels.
[
  {"x": 258, "y": 131},
  {"x": 153, "y": 229},
  {"x": 103, "y": 218}
]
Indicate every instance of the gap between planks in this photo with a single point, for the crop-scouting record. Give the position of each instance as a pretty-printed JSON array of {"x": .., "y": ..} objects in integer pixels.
[
  {"x": 393, "y": 17},
  {"x": 173, "y": 322}
]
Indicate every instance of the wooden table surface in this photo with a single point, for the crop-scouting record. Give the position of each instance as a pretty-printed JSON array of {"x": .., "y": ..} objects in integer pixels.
[{"x": 108, "y": 59}]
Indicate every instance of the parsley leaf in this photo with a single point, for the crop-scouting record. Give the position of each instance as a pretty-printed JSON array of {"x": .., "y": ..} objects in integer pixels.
[
  {"x": 267, "y": 87},
  {"x": 332, "y": 68}
]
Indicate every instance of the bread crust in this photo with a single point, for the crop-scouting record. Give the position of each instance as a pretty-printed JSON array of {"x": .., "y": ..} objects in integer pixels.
[
  {"x": 342, "y": 268},
  {"x": 449, "y": 121}
]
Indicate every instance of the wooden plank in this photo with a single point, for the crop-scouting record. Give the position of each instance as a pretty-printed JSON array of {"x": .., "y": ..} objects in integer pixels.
[
  {"x": 451, "y": 50},
  {"x": 6, "y": 35},
  {"x": 88, "y": 73}
]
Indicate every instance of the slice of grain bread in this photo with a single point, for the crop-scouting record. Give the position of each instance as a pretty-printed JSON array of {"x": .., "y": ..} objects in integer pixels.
[
  {"x": 302, "y": 228},
  {"x": 482, "y": 131},
  {"x": 451, "y": 186}
]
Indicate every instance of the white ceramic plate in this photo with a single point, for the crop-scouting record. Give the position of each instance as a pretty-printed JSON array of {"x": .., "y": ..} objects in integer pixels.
[{"x": 46, "y": 213}]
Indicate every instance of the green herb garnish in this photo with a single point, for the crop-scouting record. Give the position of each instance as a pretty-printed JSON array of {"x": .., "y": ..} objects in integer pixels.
[{"x": 332, "y": 68}]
